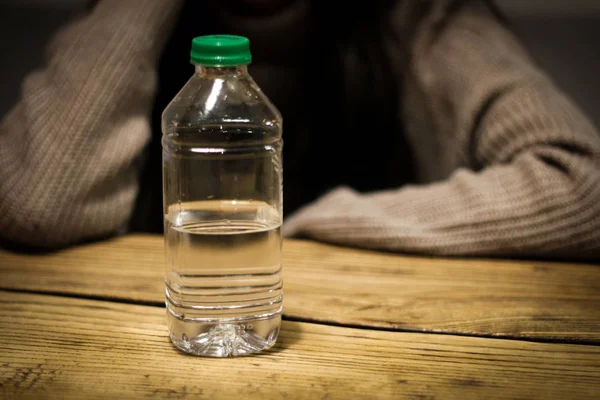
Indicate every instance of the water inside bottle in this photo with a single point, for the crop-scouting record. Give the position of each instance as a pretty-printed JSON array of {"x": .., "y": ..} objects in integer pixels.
[{"x": 223, "y": 279}]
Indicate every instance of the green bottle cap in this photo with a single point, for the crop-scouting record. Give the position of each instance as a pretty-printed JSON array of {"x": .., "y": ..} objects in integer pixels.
[{"x": 220, "y": 51}]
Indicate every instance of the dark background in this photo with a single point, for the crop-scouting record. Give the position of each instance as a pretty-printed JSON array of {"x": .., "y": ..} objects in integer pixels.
[{"x": 563, "y": 36}]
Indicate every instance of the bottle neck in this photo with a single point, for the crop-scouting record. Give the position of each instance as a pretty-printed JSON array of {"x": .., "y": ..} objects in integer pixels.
[{"x": 221, "y": 72}]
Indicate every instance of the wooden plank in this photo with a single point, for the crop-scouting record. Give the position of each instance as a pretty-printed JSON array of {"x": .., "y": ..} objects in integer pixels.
[
  {"x": 536, "y": 300},
  {"x": 57, "y": 347}
]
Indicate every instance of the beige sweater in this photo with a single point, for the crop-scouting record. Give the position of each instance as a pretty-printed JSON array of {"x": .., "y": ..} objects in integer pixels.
[{"x": 508, "y": 165}]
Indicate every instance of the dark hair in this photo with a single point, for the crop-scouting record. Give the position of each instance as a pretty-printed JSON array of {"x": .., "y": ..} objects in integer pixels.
[
  {"x": 369, "y": 82},
  {"x": 361, "y": 33},
  {"x": 363, "y": 91}
]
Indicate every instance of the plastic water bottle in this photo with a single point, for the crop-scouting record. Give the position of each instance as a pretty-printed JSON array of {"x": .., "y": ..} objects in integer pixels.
[{"x": 222, "y": 187}]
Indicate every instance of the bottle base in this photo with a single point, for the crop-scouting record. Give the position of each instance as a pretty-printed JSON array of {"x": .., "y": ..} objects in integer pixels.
[{"x": 227, "y": 338}]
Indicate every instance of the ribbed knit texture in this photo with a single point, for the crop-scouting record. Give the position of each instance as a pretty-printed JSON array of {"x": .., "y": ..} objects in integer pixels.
[
  {"x": 508, "y": 165},
  {"x": 69, "y": 148}
]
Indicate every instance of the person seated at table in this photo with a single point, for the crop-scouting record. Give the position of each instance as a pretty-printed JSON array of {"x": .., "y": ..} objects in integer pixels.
[{"x": 411, "y": 126}]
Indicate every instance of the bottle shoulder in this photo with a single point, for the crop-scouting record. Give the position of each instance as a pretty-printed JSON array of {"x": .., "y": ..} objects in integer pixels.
[{"x": 229, "y": 101}]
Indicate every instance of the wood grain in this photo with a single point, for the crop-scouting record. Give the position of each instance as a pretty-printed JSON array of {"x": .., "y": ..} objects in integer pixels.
[
  {"x": 534, "y": 300},
  {"x": 57, "y": 347}
]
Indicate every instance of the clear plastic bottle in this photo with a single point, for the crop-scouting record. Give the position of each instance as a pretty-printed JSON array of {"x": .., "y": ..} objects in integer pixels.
[{"x": 222, "y": 188}]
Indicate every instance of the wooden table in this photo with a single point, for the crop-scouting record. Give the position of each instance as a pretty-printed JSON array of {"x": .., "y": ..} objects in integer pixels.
[{"x": 89, "y": 322}]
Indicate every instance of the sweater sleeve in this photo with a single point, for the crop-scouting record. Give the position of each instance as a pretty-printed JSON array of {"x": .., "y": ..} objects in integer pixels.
[
  {"x": 509, "y": 166},
  {"x": 69, "y": 148}
]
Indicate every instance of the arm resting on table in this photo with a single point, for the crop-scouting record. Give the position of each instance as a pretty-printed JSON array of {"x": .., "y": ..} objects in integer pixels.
[
  {"x": 511, "y": 167},
  {"x": 70, "y": 148}
]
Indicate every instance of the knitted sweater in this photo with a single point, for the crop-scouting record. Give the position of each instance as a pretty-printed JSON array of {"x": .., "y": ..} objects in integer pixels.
[{"x": 507, "y": 164}]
